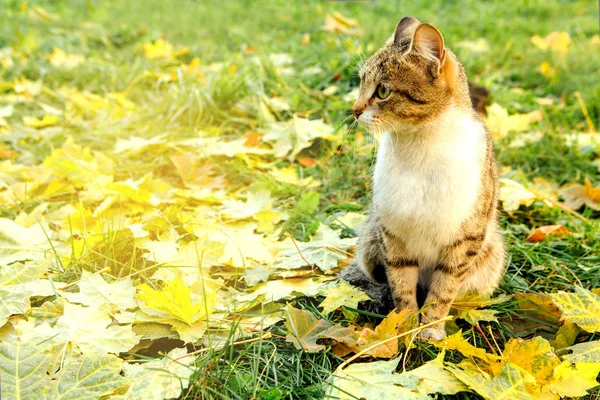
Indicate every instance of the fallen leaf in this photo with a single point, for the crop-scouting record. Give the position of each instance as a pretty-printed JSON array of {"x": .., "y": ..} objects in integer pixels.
[
  {"x": 500, "y": 123},
  {"x": 542, "y": 232},
  {"x": 305, "y": 329},
  {"x": 177, "y": 301},
  {"x": 509, "y": 385},
  {"x": 581, "y": 307},
  {"x": 325, "y": 249},
  {"x": 305, "y": 39},
  {"x": 337, "y": 23},
  {"x": 584, "y": 352},
  {"x": 457, "y": 342},
  {"x": 86, "y": 376},
  {"x": 434, "y": 378},
  {"x": 46, "y": 121},
  {"x": 342, "y": 294},
  {"x": 307, "y": 162},
  {"x": 374, "y": 380},
  {"x": 576, "y": 195},
  {"x": 60, "y": 59},
  {"x": 557, "y": 42},
  {"x": 574, "y": 380},
  {"x": 291, "y": 137},
  {"x": 566, "y": 335},
  {"x": 23, "y": 369},
  {"x": 161, "y": 378}
]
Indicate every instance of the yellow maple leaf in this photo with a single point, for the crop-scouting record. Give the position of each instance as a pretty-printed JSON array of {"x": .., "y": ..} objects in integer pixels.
[
  {"x": 60, "y": 59},
  {"x": 337, "y": 23},
  {"x": 159, "y": 49},
  {"x": 557, "y": 42},
  {"x": 177, "y": 301},
  {"x": 458, "y": 342},
  {"x": 574, "y": 380},
  {"x": 162, "y": 49},
  {"x": 576, "y": 195},
  {"x": 500, "y": 123},
  {"x": 46, "y": 121}
]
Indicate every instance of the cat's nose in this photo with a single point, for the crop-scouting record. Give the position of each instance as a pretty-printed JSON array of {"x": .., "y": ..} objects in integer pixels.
[{"x": 357, "y": 111}]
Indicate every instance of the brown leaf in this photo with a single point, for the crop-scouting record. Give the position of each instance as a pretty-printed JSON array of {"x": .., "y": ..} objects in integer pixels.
[
  {"x": 307, "y": 162},
  {"x": 349, "y": 339},
  {"x": 541, "y": 233},
  {"x": 253, "y": 139}
]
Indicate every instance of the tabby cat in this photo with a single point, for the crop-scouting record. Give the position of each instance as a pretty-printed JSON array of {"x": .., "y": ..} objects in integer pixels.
[{"x": 433, "y": 222}]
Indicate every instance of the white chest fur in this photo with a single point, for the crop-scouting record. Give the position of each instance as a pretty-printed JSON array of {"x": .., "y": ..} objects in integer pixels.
[{"x": 426, "y": 182}]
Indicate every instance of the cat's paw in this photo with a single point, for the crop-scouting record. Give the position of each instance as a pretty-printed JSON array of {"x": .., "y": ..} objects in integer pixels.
[{"x": 432, "y": 334}]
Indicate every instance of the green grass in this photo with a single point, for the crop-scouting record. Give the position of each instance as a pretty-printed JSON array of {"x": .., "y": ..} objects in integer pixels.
[{"x": 111, "y": 34}]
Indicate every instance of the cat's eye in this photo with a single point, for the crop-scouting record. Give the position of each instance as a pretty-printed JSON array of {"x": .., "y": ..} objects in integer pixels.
[{"x": 383, "y": 92}]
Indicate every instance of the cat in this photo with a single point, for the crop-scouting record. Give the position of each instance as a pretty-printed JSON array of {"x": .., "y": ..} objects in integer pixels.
[{"x": 433, "y": 224}]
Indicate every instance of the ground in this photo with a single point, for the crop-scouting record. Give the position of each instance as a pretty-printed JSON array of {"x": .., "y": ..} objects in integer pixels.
[{"x": 177, "y": 176}]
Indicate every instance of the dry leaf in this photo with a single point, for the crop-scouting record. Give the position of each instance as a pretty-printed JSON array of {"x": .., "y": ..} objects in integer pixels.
[
  {"x": 557, "y": 42},
  {"x": 542, "y": 232},
  {"x": 337, "y": 23}
]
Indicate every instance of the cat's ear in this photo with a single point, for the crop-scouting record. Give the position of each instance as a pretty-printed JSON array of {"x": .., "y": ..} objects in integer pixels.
[
  {"x": 404, "y": 30},
  {"x": 428, "y": 41}
]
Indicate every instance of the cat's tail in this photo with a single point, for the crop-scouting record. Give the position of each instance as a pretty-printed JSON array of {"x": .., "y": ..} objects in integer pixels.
[{"x": 381, "y": 297}]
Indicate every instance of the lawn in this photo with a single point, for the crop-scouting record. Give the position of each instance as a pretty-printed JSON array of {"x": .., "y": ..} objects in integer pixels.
[{"x": 182, "y": 181}]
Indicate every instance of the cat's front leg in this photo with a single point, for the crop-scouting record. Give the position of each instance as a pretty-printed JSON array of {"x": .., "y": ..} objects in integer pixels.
[
  {"x": 446, "y": 282},
  {"x": 402, "y": 271}
]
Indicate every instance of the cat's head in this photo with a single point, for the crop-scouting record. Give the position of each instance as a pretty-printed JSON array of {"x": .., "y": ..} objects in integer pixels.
[{"x": 411, "y": 80}]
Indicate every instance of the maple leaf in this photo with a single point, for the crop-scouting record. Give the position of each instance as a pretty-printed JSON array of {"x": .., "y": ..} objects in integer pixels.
[
  {"x": 467, "y": 307},
  {"x": 324, "y": 250},
  {"x": 256, "y": 201},
  {"x": 291, "y": 137},
  {"x": 46, "y": 121},
  {"x": 78, "y": 165},
  {"x": 566, "y": 335},
  {"x": 305, "y": 329},
  {"x": 60, "y": 59},
  {"x": 434, "y": 378},
  {"x": 161, "y": 49},
  {"x": 94, "y": 290},
  {"x": 342, "y": 294},
  {"x": 243, "y": 244},
  {"x": 574, "y": 380},
  {"x": 356, "y": 341},
  {"x": 557, "y": 42},
  {"x": 535, "y": 356},
  {"x": 542, "y": 232},
  {"x": 89, "y": 328},
  {"x": 18, "y": 243},
  {"x": 374, "y": 380},
  {"x": 275, "y": 290},
  {"x": 23, "y": 367},
  {"x": 500, "y": 123},
  {"x": 159, "y": 379},
  {"x": 458, "y": 342},
  {"x": 177, "y": 301},
  {"x": 584, "y": 352},
  {"x": 577, "y": 195},
  {"x": 581, "y": 307},
  {"x": 509, "y": 385},
  {"x": 85, "y": 376},
  {"x": 337, "y": 23}
]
